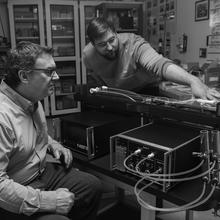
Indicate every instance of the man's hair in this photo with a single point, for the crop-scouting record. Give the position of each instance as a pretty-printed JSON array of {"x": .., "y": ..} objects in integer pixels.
[
  {"x": 22, "y": 57},
  {"x": 98, "y": 27}
]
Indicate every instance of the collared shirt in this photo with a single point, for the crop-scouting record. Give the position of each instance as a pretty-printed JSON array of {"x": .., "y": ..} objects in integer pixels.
[
  {"x": 137, "y": 65},
  {"x": 23, "y": 147}
]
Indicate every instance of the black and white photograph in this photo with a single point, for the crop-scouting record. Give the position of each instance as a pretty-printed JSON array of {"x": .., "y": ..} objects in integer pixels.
[{"x": 109, "y": 109}]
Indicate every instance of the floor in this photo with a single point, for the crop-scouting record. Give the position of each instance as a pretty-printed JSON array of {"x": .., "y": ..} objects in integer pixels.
[
  {"x": 205, "y": 215},
  {"x": 197, "y": 215},
  {"x": 120, "y": 211},
  {"x": 130, "y": 210}
]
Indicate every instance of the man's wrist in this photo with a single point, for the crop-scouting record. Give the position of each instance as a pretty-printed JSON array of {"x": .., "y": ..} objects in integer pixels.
[
  {"x": 194, "y": 80},
  {"x": 48, "y": 201}
]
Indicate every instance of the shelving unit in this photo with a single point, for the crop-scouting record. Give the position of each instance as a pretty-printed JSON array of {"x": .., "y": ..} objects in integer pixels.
[
  {"x": 26, "y": 21},
  {"x": 127, "y": 17},
  {"x": 63, "y": 35},
  {"x": 53, "y": 23}
]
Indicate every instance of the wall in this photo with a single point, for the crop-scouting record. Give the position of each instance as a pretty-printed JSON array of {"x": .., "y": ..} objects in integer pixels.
[{"x": 196, "y": 32}]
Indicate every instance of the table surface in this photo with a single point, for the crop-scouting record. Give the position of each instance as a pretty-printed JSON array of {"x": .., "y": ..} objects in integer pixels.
[{"x": 180, "y": 194}]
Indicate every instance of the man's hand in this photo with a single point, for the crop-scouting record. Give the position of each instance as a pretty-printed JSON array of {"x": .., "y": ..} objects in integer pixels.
[
  {"x": 61, "y": 153},
  {"x": 178, "y": 75},
  {"x": 200, "y": 90},
  {"x": 65, "y": 201}
]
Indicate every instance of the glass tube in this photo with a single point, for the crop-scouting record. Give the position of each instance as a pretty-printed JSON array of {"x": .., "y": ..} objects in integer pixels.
[
  {"x": 215, "y": 146},
  {"x": 204, "y": 142},
  {"x": 215, "y": 141}
]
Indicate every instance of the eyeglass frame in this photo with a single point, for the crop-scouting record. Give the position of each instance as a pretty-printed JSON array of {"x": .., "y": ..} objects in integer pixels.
[
  {"x": 49, "y": 72},
  {"x": 105, "y": 43}
]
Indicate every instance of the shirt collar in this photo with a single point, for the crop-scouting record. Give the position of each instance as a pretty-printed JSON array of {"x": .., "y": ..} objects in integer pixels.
[{"x": 17, "y": 98}]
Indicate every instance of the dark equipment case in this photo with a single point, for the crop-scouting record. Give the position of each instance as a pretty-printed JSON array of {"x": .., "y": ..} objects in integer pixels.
[{"x": 88, "y": 133}]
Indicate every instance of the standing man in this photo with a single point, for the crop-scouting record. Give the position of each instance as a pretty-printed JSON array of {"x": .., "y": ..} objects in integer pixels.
[
  {"x": 29, "y": 185},
  {"x": 128, "y": 62}
]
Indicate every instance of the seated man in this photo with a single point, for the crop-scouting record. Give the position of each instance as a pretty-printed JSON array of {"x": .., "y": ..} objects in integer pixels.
[{"x": 29, "y": 185}]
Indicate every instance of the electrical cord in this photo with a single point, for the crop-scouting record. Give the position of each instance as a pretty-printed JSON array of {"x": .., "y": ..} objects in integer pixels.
[
  {"x": 182, "y": 179},
  {"x": 190, "y": 205},
  {"x": 180, "y": 208},
  {"x": 136, "y": 95},
  {"x": 128, "y": 157},
  {"x": 150, "y": 175},
  {"x": 195, "y": 203},
  {"x": 111, "y": 93},
  {"x": 169, "y": 175}
]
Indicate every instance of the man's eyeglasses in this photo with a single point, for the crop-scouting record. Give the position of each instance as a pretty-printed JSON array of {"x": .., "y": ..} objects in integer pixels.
[
  {"x": 105, "y": 43},
  {"x": 50, "y": 72}
]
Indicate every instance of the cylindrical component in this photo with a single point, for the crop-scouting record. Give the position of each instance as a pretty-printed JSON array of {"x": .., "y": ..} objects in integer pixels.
[
  {"x": 204, "y": 141},
  {"x": 215, "y": 141},
  {"x": 215, "y": 146}
]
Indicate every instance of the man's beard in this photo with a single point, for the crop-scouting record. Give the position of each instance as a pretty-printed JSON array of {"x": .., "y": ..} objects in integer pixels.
[{"x": 111, "y": 55}]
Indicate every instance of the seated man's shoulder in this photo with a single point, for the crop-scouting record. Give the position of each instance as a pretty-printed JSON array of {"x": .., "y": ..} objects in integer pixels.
[{"x": 7, "y": 105}]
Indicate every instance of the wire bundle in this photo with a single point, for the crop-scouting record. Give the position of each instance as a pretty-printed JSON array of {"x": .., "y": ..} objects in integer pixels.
[
  {"x": 158, "y": 177},
  {"x": 137, "y": 98}
]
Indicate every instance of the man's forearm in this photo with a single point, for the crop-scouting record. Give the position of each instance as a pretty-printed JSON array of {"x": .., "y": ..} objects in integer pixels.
[
  {"x": 177, "y": 74},
  {"x": 25, "y": 199}
]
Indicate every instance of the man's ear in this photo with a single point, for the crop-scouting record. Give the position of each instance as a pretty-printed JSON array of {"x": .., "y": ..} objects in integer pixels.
[{"x": 23, "y": 76}]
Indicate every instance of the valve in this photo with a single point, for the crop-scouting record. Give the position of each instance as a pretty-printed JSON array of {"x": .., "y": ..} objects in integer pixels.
[{"x": 200, "y": 154}]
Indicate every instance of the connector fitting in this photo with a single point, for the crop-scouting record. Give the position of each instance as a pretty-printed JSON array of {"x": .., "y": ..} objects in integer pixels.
[{"x": 137, "y": 151}]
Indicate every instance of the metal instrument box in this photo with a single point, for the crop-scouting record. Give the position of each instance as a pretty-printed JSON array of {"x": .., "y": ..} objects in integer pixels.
[{"x": 166, "y": 146}]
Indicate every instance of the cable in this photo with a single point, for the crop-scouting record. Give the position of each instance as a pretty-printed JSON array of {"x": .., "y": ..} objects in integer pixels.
[
  {"x": 112, "y": 93},
  {"x": 125, "y": 92},
  {"x": 189, "y": 205},
  {"x": 182, "y": 179},
  {"x": 162, "y": 175},
  {"x": 128, "y": 157},
  {"x": 172, "y": 174},
  {"x": 149, "y": 176},
  {"x": 180, "y": 208}
]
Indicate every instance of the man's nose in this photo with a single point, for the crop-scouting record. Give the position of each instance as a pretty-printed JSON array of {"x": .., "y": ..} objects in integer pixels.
[
  {"x": 108, "y": 46},
  {"x": 55, "y": 76}
]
